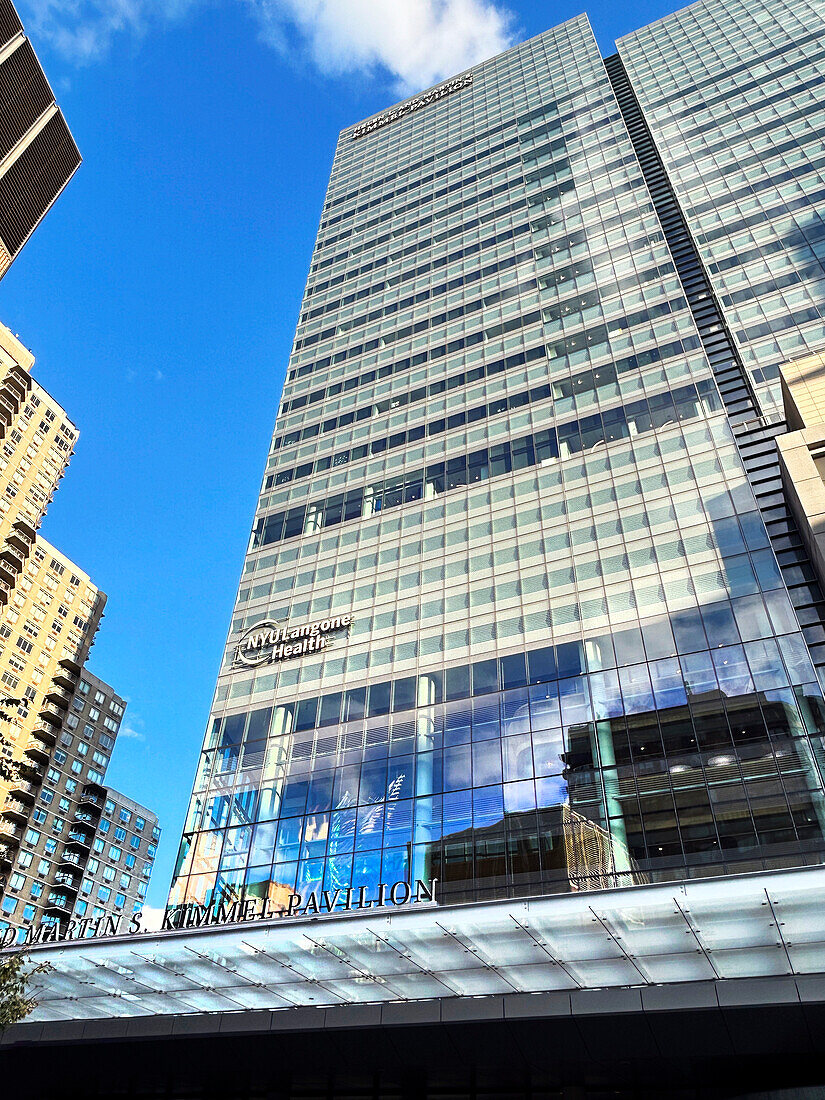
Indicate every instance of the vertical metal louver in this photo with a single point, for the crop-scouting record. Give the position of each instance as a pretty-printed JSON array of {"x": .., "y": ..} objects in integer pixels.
[
  {"x": 24, "y": 96},
  {"x": 10, "y": 24},
  {"x": 35, "y": 179}
]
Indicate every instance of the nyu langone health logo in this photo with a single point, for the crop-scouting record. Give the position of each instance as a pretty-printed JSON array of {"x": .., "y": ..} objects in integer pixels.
[
  {"x": 411, "y": 105},
  {"x": 268, "y": 642}
]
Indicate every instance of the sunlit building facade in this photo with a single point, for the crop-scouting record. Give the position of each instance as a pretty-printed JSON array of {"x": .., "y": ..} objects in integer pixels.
[{"x": 511, "y": 616}]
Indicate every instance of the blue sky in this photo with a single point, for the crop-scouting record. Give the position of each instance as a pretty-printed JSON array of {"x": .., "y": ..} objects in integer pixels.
[{"x": 161, "y": 292}]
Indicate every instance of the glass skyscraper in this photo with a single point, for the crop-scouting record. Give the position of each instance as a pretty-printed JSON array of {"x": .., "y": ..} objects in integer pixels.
[{"x": 522, "y": 609}]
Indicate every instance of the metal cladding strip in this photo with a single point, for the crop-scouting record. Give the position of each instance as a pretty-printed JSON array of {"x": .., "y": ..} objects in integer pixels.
[{"x": 755, "y": 438}]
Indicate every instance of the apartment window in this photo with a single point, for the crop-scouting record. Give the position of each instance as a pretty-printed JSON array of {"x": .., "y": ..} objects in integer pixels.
[
  {"x": 104, "y": 826},
  {"x": 130, "y": 861},
  {"x": 50, "y": 847},
  {"x": 140, "y": 824},
  {"x": 37, "y": 889},
  {"x": 53, "y": 775},
  {"x": 125, "y": 881},
  {"x": 151, "y": 850},
  {"x": 116, "y": 709},
  {"x": 92, "y": 866},
  {"x": 102, "y": 760},
  {"x": 135, "y": 843},
  {"x": 43, "y": 867},
  {"x": 147, "y": 869},
  {"x": 28, "y": 912},
  {"x": 25, "y": 859},
  {"x": 115, "y": 853},
  {"x": 95, "y": 776},
  {"x": 86, "y": 886},
  {"x": 83, "y": 687},
  {"x": 82, "y": 748},
  {"x": 120, "y": 834},
  {"x": 125, "y": 816},
  {"x": 106, "y": 741},
  {"x": 81, "y": 908},
  {"x": 39, "y": 817},
  {"x": 141, "y": 889},
  {"x": 104, "y": 893},
  {"x": 111, "y": 724},
  {"x": 63, "y": 805},
  {"x": 32, "y": 837},
  {"x": 120, "y": 901},
  {"x": 17, "y": 881},
  {"x": 88, "y": 731},
  {"x": 78, "y": 703},
  {"x": 72, "y": 721},
  {"x": 77, "y": 767},
  {"x": 108, "y": 874},
  {"x": 98, "y": 845},
  {"x": 156, "y": 833},
  {"x": 9, "y": 905},
  {"x": 109, "y": 808},
  {"x": 99, "y": 696},
  {"x": 94, "y": 713},
  {"x": 60, "y": 757},
  {"x": 46, "y": 795}
]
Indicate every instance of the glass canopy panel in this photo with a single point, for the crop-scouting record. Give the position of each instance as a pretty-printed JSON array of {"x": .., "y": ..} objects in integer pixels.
[{"x": 631, "y": 937}]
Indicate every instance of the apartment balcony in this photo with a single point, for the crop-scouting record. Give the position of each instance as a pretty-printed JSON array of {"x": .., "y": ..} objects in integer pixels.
[
  {"x": 59, "y": 904},
  {"x": 46, "y": 732},
  {"x": 10, "y": 831},
  {"x": 90, "y": 798},
  {"x": 15, "y": 810},
  {"x": 18, "y": 381},
  {"x": 31, "y": 771},
  {"x": 22, "y": 789},
  {"x": 19, "y": 541},
  {"x": 50, "y": 713},
  {"x": 65, "y": 678},
  {"x": 14, "y": 557},
  {"x": 71, "y": 859},
  {"x": 79, "y": 838},
  {"x": 85, "y": 817},
  {"x": 67, "y": 881},
  {"x": 6, "y": 855},
  {"x": 70, "y": 665},
  {"x": 24, "y": 528},
  {"x": 5, "y": 592},
  {"x": 9, "y": 569},
  {"x": 38, "y": 750},
  {"x": 59, "y": 696},
  {"x": 9, "y": 405}
]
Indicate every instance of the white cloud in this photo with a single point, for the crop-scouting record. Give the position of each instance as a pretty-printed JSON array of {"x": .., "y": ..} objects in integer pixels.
[
  {"x": 131, "y": 729},
  {"x": 151, "y": 919},
  {"x": 416, "y": 42}
]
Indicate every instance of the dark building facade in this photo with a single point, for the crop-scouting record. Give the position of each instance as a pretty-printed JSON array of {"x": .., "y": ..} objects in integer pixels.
[{"x": 38, "y": 155}]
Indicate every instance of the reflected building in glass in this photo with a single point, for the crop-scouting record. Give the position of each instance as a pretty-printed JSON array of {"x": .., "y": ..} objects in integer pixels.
[{"x": 523, "y": 609}]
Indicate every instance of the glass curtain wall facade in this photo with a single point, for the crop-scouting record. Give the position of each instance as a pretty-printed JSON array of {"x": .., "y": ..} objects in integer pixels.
[
  {"x": 557, "y": 651},
  {"x": 734, "y": 95}
]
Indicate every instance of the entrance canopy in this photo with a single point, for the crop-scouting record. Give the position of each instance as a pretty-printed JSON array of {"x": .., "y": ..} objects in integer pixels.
[{"x": 758, "y": 925}]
